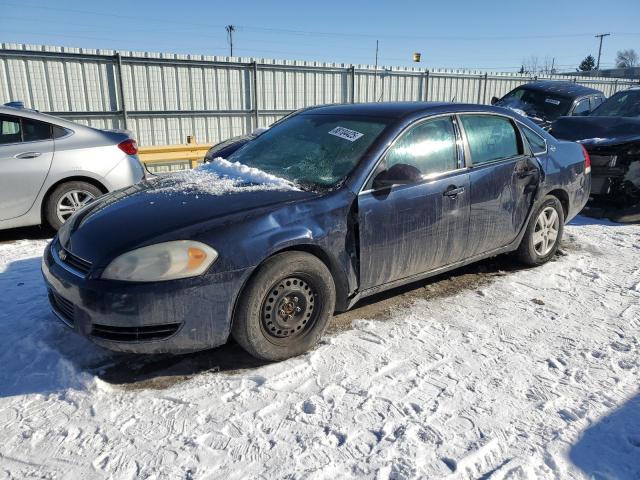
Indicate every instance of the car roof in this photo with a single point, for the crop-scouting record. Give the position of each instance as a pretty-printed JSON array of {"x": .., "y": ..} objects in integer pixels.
[
  {"x": 396, "y": 110},
  {"x": 560, "y": 87},
  {"x": 43, "y": 117}
]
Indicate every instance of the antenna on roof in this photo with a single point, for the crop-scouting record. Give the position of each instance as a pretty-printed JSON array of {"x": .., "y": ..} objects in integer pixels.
[{"x": 15, "y": 104}]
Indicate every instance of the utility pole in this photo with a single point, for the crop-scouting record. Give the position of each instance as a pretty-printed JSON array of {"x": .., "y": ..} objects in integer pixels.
[
  {"x": 230, "y": 29},
  {"x": 375, "y": 76},
  {"x": 601, "y": 36}
]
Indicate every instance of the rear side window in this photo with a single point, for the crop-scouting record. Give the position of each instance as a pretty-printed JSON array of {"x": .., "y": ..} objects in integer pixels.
[
  {"x": 536, "y": 142},
  {"x": 33, "y": 130},
  {"x": 429, "y": 146},
  {"x": 10, "y": 129},
  {"x": 490, "y": 138},
  {"x": 16, "y": 130}
]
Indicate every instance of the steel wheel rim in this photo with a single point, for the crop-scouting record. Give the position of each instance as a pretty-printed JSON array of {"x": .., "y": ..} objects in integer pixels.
[
  {"x": 289, "y": 310},
  {"x": 72, "y": 201},
  {"x": 545, "y": 233}
]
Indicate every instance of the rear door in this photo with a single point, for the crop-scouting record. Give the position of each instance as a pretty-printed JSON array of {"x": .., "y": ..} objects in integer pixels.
[
  {"x": 504, "y": 178},
  {"x": 26, "y": 152},
  {"x": 409, "y": 229}
]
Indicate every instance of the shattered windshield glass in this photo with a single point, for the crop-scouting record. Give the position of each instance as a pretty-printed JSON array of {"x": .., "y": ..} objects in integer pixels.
[
  {"x": 537, "y": 104},
  {"x": 622, "y": 104},
  {"x": 315, "y": 150}
]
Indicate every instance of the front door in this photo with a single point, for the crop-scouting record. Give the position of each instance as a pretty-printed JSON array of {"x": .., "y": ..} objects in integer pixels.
[
  {"x": 26, "y": 152},
  {"x": 410, "y": 229}
]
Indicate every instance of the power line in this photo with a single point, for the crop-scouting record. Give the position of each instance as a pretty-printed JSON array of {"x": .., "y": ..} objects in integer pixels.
[
  {"x": 173, "y": 21},
  {"x": 253, "y": 51}
]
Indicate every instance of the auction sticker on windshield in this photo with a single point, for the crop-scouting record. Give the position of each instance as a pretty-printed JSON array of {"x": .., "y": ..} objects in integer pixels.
[
  {"x": 552, "y": 100},
  {"x": 347, "y": 134}
]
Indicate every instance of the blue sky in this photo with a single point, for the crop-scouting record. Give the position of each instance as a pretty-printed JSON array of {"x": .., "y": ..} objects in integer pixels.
[{"x": 482, "y": 34}]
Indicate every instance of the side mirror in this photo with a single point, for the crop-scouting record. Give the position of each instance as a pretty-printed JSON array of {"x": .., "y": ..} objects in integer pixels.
[
  {"x": 399, "y": 174},
  {"x": 494, "y": 100}
]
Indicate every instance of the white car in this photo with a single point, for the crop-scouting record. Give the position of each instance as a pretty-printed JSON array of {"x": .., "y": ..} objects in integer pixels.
[{"x": 50, "y": 167}]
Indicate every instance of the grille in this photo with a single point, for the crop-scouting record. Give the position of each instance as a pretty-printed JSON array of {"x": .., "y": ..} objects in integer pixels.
[
  {"x": 77, "y": 263},
  {"x": 69, "y": 259},
  {"x": 134, "y": 334},
  {"x": 63, "y": 307}
]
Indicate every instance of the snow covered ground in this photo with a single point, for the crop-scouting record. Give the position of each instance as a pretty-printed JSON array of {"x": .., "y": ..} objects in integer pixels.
[{"x": 530, "y": 374}]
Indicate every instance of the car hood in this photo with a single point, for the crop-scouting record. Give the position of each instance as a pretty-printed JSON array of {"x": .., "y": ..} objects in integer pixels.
[
  {"x": 600, "y": 131},
  {"x": 169, "y": 208}
]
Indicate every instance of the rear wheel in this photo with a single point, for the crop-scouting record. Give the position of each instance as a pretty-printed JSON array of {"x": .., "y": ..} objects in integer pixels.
[
  {"x": 66, "y": 199},
  {"x": 544, "y": 233},
  {"x": 285, "y": 308}
]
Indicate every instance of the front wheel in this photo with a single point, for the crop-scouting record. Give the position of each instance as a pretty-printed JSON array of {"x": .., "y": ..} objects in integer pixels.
[
  {"x": 544, "y": 233},
  {"x": 285, "y": 308}
]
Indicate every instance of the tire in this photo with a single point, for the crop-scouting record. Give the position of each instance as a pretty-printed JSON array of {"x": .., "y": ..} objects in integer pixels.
[
  {"x": 537, "y": 248},
  {"x": 62, "y": 196},
  {"x": 285, "y": 308}
]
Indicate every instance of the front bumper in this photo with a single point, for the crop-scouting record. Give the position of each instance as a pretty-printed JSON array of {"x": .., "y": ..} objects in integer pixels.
[{"x": 177, "y": 316}]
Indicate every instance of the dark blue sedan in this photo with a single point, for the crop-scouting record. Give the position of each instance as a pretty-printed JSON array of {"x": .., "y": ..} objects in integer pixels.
[{"x": 327, "y": 207}]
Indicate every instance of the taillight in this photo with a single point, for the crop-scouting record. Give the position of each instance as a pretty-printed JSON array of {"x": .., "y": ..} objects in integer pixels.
[
  {"x": 587, "y": 160},
  {"x": 130, "y": 147}
]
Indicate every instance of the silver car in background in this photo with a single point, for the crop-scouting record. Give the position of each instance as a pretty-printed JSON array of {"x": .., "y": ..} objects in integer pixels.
[{"x": 50, "y": 167}]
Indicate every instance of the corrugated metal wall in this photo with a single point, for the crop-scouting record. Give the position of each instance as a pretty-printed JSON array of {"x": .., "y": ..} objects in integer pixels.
[{"x": 167, "y": 96}]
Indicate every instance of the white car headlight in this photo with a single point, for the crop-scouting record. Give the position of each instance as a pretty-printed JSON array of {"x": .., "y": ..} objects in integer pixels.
[{"x": 162, "y": 261}]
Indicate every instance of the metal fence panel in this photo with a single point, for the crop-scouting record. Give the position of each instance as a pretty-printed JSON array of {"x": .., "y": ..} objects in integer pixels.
[{"x": 163, "y": 97}]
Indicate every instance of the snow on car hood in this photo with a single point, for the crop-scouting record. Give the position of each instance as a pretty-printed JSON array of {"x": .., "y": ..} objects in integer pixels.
[
  {"x": 220, "y": 177},
  {"x": 203, "y": 199}
]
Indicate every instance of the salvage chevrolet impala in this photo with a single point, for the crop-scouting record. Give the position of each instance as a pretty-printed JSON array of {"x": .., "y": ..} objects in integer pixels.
[{"x": 327, "y": 207}]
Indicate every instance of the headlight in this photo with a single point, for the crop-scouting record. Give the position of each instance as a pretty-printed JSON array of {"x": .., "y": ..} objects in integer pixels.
[{"x": 162, "y": 261}]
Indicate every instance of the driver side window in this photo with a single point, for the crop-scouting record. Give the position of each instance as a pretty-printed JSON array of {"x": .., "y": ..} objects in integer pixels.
[{"x": 429, "y": 146}]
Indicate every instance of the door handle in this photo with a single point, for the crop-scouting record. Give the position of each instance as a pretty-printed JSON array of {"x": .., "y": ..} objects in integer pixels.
[
  {"x": 453, "y": 191},
  {"x": 28, "y": 155},
  {"x": 527, "y": 172}
]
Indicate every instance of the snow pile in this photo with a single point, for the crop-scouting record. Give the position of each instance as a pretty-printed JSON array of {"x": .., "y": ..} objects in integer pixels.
[
  {"x": 517, "y": 110},
  {"x": 531, "y": 375},
  {"x": 220, "y": 177}
]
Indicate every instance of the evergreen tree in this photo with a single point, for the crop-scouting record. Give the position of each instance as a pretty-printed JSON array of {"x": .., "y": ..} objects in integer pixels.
[{"x": 589, "y": 63}]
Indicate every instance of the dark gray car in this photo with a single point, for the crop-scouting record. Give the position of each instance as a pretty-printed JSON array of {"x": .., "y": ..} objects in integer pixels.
[{"x": 546, "y": 100}]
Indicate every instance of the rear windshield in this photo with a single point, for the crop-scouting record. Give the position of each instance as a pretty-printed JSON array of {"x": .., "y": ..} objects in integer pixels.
[
  {"x": 534, "y": 103},
  {"x": 315, "y": 150},
  {"x": 622, "y": 104}
]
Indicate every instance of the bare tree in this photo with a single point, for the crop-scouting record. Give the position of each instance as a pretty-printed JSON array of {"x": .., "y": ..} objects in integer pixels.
[
  {"x": 626, "y": 58},
  {"x": 547, "y": 67},
  {"x": 530, "y": 65}
]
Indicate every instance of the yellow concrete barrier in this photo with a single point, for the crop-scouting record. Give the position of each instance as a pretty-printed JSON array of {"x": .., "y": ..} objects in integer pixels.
[{"x": 190, "y": 151}]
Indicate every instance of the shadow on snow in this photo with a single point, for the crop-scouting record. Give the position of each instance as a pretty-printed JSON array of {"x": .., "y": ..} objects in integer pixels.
[{"x": 610, "y": 448}]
